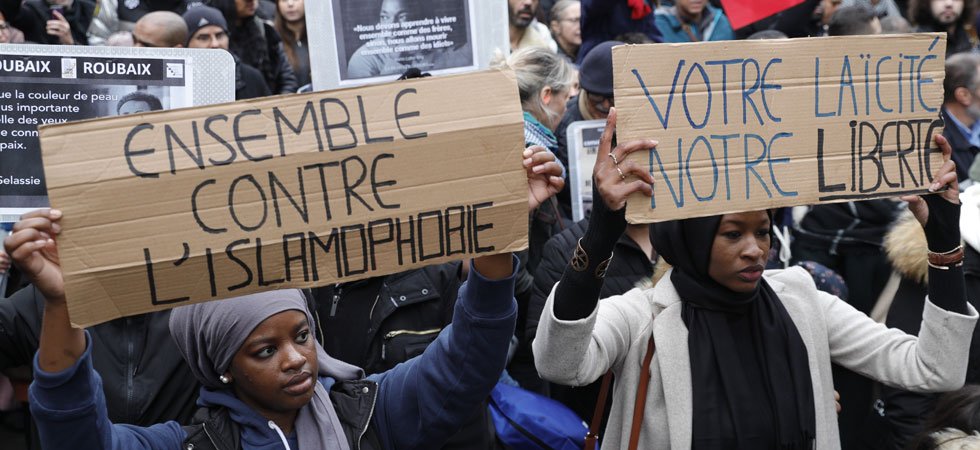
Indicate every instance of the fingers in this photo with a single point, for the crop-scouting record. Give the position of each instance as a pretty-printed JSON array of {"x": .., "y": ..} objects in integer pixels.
[
  {"x": 551, "y": 168},
  {"x": 624, "y": 150},
  {"x": 637, "y": 170},
  {"x": 539, "y": 158},
  {"x": 21, "y": 244},
  {"x": 556, "y": 184},
  {"x": 944, "y": 146},
  {"x": 41, "y": 224},
  {"x": 637, "y": 186},
  {"x": 605, "y": 142}
]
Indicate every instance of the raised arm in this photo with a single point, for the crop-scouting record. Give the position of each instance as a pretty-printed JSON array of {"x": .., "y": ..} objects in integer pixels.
[
  {"x": 66, "y": 397},
  {"x": 424, "y": 401}
]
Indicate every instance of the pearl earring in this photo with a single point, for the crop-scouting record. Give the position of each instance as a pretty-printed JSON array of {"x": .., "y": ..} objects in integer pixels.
[{"x": 225, "y": 379}]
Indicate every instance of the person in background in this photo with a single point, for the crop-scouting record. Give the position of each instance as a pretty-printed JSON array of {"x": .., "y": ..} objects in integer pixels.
[
  {"x": 566, "y": 28},
  {"x": 138, "y": 102},
  {"x": 113, "y": 16},
  {"x": 895, "y": 25},
  {"x": 595, "y": 97},
  {"x": 162, "y": 29},
  {"x": 880, "y": 8},
  {"x": 693, "y": 21},
  {"x": 53, "y": 22},
  {"x": 257, "y": 44},
  {"x": 208, "y": 29},
  {"x": 905, "y": 412},
  {"x": 6, "y": 30},
  {"x": 291, "y": 25},
  {"x": 854, "y": 21},
  {"x": 954, "y": 424},
  {"x": 949, "y": 16},
  {"x": 120, "y": 39},
  {"x": 525, "y": 30},
  {"x": 961, "y": 109},
  {"x": 605, "y": 20}
]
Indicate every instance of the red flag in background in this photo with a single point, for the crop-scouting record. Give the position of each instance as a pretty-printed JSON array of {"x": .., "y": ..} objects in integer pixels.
[{"x": 743, "y": 12}]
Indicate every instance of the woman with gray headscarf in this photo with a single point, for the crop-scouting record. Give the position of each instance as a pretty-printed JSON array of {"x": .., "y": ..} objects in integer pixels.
[{"x": 266, "y": 382}]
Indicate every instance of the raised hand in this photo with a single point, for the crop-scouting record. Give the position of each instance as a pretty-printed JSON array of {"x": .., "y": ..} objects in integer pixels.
[
  {"x": 615, "y": 177},
  {"x": 543, "y": 175},
  {"x": 33, "y": 249}
]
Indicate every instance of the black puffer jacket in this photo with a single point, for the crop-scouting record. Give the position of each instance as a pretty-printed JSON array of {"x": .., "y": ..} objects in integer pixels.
[
  {"x": 258, "y": 44},
  {"x": 145, "y": 380}
]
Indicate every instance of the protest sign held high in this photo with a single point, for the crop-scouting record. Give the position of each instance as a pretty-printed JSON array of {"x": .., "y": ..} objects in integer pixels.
[
  {"x": 41, "y": 84},
  {"x": 761, "y": 124},
  {"x": 171, "y": 208}
]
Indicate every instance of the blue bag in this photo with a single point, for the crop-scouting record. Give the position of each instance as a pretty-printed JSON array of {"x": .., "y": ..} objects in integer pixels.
[{"x": 528, "y": 421}]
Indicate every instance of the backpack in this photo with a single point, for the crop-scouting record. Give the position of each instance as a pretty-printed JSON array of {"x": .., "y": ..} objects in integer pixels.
[{"x": 526, "y": 420}]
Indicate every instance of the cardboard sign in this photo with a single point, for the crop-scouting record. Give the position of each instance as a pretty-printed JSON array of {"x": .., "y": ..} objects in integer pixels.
[
  {"x": 41, "y": 84},
  {"x": 171, "y": 208},
  {"x": 357, "y": 42},
  {"x": 748, "y": 125},
  {"x": 583, "y": 146}
]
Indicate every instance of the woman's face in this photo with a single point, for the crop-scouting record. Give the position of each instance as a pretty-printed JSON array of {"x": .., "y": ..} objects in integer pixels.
[
  {"x": 246, "y": 8},
  {"x": 557, "y": 103},
  {"x": 275, "y": 370},
  {"x": 568, "y": 29},
  {"x": 292, "y": 10},
  {"x": 739, "y": 251}
]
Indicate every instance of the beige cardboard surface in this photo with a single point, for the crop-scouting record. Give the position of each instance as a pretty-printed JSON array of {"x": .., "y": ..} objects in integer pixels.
[
  {"x": 747, "y": 125},
  {"x": 172, "y": 208}
]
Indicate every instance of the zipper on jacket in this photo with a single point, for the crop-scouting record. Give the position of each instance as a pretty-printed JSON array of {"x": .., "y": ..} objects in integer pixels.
[
  {"x": 396, "y": 333},
  {"x": 336, "y": 299},
  {"x": 374, "y": 400},
  {"x": 207, "y": 433}
]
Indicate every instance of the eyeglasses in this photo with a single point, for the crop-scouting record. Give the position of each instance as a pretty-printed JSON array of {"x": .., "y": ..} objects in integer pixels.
[
  {"x": 572, "y": 20},
  {"x": 599, "y": 101}
]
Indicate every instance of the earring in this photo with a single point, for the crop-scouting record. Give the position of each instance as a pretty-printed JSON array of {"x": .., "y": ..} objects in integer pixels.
[{"x": 225, "y": 379}]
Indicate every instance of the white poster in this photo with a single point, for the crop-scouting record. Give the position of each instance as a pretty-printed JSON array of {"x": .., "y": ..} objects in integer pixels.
[
  {"x": 583, "y": 145},
  {"x": 54, "y": 84},
  {"x": 355, "y": 42}
]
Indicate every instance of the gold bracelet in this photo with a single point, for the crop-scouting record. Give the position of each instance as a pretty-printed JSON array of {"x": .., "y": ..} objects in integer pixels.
[{"x": 580, "y": 262}]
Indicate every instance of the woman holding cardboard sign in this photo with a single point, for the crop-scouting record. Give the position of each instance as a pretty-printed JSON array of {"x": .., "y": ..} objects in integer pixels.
[
  {"x": 267, "y": 383},
  {"x": 723, "y": 355}
]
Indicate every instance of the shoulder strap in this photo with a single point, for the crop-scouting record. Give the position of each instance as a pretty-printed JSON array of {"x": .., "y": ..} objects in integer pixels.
[
  {"x": 600, "y": 409},
  {"x": 641, "y": 395}
]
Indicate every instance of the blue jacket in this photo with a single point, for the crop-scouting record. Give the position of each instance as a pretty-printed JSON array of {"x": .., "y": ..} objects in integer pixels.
[
  {"x": 420, "y": 403},
  {"x": 604, "y": 20},
  {"x": 716, "y": 27}
]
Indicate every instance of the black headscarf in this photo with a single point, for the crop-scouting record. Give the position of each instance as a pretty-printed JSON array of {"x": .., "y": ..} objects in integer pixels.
[{"x": 740, "y": 345}]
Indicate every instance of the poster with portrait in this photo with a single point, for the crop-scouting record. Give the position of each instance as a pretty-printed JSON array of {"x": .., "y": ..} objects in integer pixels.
[
  {"x": 356, "y": 42},
  {"x": 583, "y": 146},
  {"x": 54, "y": 84}
]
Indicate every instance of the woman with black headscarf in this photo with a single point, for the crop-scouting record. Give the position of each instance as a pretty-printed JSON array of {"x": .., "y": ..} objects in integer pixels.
[
  {"x": 257, "y": 44},
  {"x": 742, "y": 358}
]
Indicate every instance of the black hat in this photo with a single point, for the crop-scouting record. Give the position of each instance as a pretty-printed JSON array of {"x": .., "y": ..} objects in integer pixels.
[
  {"x": 201, "y": 16},
  {"x": 596, "y": 72}
]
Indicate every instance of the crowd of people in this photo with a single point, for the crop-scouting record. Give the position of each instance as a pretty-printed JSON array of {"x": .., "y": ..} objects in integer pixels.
[{"x": 846, "y": 325}]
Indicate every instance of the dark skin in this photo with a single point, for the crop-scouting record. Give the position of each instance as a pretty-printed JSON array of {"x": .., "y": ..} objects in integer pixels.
[
  {"x": 275, "y": 369},
  {"x": 740, "y": 249},
  {"x": 267, "y": 385}
]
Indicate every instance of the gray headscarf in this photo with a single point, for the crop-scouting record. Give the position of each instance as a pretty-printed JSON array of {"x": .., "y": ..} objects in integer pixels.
[{"x": 209, "y": 334}]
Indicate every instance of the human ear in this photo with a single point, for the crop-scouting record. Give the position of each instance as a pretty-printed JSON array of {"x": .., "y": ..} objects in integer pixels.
[{"x": 546, "y": 94}]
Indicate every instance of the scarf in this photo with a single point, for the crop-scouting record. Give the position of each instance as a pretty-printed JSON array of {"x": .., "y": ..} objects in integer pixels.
[
  {"x": 739, "y": 343},
  {"x": 209, "y": 334}
]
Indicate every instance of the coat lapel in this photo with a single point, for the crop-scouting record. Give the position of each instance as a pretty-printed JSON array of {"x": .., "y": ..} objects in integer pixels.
[{"x": 670, "y": 335}]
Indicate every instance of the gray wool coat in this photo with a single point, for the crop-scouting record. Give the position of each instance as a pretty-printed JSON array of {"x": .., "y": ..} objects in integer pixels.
[{"x": 615, "y": 336}]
